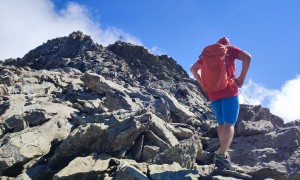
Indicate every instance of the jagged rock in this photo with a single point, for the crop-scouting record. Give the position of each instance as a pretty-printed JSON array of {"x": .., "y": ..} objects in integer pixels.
[
  {"x": 292, "y": 123},
  {"x": 171, "y": 171},
  {"x": 205, "y": 170},
  {"x": 70, "y": 100},
  {"x": 211, "y": 144},
  {"x": 257, "y": 113},
  {"x": 101, "y": 138},
  {"x": 205, "y": 157},
  {"x": 184, "y": 153},
  {"x": 138, "y": 148},
  {"x": 152, "y": 137},
  {"x": 36, "y": 172},
  {"x": 141, "y": 61},
  {"x": 280, "y": 147},
  {"x": 149, "y": 152},
  {"x": 130, "y": 172},
  {"x": 269, "y": 171},
  {"x": 181, "y": 131},
  {"x": 99, "y": 84},
  {"x": 85, "y": 168},
  {"x": 229, "y": 175},
  {"x": 116, "y": 98},
  {"x": 161, "y": 109},
  {"x": 15, "y": 123},
  {"x": 248, "y": 128},
  {"x": 159, "y": 128},
  {"x": 14, "y": 105},
  {"x": 100, "y": 166},
  {"x": 55, "y": 53},
  {"x": 3, "y": 90},
  {"x": 10, "y": 109},
  {"x": 20, "y": 147}
]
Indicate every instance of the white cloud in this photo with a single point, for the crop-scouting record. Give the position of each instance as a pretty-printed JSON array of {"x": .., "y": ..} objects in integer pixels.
[
  {"x": 286, "y": 103},
  {"x": 25, "y": 25},
  {"x": 283, "y": 103},
  {"x": 255, "y": 94},
  {"x": 157, "y": 51}
]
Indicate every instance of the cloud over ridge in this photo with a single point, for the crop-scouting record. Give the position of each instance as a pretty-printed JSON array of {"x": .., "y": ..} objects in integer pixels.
[
  {"x": 283, "y": 103},
  {"x": 27, "y": 24}
]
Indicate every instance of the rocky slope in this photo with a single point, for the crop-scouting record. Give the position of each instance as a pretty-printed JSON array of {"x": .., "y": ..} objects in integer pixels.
[{"x": 73, "y": 109}]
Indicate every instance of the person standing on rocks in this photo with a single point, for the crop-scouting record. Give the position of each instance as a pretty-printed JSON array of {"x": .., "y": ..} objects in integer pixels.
[{"x": 221, "y": 84}]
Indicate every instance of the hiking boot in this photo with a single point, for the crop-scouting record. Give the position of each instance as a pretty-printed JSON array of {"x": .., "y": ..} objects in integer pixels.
[
  {"x": 220, "y": 156},
  {"x": 222, "y": 161},
  {"x": 224, "y": 164}
]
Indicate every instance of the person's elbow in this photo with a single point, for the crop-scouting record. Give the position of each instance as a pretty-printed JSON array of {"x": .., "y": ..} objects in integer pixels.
[
  {"x": 193, "y": 69},
  {"x": 245, "y": 56},
  {"x": 248, "y": 57}
]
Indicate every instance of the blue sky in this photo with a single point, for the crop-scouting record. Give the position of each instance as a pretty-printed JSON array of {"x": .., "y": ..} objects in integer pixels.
[{"x": 268, "y": 29}]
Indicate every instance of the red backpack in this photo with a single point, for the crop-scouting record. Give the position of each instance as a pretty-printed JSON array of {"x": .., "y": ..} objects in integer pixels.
[{"x": 213, "y": 67}]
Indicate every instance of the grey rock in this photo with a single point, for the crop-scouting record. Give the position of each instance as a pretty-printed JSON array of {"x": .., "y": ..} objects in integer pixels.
[
  {"x": 89, "y": 167},
  {"x": 171, "y": 171},
  {"x": 185, "y": 153},
  {"x": 128, "y": 172},
  {"x": 159, "y": 128},
  {"x": 248, "y": 128},
  {"x": 149, "y": 152},
  {"x": 101, "y": 138},
  {"x": 70, "y": 100},
  {"x": 20, "y": 147},
  {"x": 152, "y": 137}
]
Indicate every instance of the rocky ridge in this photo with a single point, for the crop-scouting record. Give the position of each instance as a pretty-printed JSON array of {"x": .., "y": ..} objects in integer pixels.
[{"x": 73, "y": 109}]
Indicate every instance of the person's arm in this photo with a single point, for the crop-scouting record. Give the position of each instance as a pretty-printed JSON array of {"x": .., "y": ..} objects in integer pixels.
[
  {"x": 194, "y": 69},
  {"x": 246, "y": 58}
]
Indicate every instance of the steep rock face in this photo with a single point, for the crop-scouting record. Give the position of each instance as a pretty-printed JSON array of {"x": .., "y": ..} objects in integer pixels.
[
  {"x": 73, "y": 109},
  {"x": 145, "y": 64},
  {"x": 59, "y": 52}
]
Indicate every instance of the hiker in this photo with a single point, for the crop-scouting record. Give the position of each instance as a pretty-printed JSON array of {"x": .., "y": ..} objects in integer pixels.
[{"x": 223, "y": 91}]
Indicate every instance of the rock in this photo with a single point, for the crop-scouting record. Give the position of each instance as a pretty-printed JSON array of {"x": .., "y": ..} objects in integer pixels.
[
  {"x": 256, "y": 113},
  {"x": 3, "y": 90},
  {"x": 271, "y": 170},
  {"x": 51, "y": 55},
  {"x": 20, "y": 147},
  {"x": 275, "y": 146},
  {"x": 74, "y": 109},
  {"x": 171, "y": 171},
  {"x": 223, "y": 175},
  {"x": 159, "y": 128},
  {"x": 89, "y": 167},
  {"x": 181, "y": 131},
  {"x": 138, "y": 148},
  {"x": 292, "y": 123},
  {"x": 149, "y": 152},
  {"x": 248, "y": 128},
  {"x": 184, "y": 153},
  {"x": 13, "y": 106},
  {"x": 130, "y": 172},
  {"x": 101, "y": 138},
  {"x": 152, "y": 137}
]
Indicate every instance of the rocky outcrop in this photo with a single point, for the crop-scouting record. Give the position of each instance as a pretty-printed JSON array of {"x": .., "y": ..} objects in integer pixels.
[{"x": 72, "y": 109}]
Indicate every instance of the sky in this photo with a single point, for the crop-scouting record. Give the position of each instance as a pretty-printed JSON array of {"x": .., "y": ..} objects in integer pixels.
[{"x": 268, "y": 29}]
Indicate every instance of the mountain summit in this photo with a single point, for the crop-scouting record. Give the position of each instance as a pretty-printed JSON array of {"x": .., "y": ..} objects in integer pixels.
[{"x": 74, "y": 109}]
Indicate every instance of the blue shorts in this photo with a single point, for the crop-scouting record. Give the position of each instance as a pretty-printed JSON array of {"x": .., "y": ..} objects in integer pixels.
[{"x": 226, "y": 110}]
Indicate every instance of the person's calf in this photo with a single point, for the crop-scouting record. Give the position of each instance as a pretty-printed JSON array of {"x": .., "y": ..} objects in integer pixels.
[{"x": 225, "y": 137}]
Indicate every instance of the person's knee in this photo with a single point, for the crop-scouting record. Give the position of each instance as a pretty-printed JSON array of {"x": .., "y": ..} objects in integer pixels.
[
  {"x": 231, "y": 122},
  {"x": 229, "y": 128}
]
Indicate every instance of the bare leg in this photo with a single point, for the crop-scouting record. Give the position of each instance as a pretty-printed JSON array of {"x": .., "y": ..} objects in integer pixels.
[
  {"x": 220, "y": 129},
  {"x": 225, "y": 133}
]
